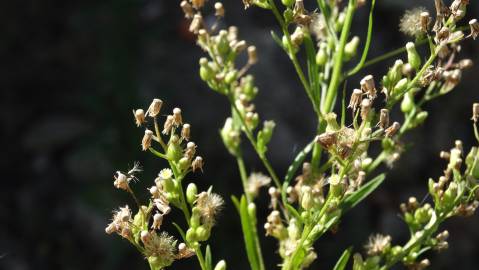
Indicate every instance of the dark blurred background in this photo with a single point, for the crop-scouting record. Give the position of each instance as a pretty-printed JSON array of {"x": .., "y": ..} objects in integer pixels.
[{"x": 70, "y": 73}]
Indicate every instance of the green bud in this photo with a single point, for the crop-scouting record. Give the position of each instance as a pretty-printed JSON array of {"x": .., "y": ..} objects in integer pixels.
[
  {"x": 288, "y": 14},
  {"x": 430, "y": 185},
  {"x": 358, "y": 263},
  {"x": 264, "y": 136},
  {"x": 231, "y": 76},
  {"x": 400, "y": 86},
  {"x": 422, "y": 215},
  {"x": 223, "y": 45},
  {"x": 174, "y": 151},
  {"x": 414, "y": 59},
  {"x": 306, "y": 197},
  {"x": 340, "y": 21},
  {"x": 450, "y": 195},
  {"x": 206, "y": 73},
  {"x": 288, "y": 3},
  {"x": 157, "y": 262},
  {"x": 248, "y": 88},
  {"x": 184, "y": 163},
  {"x": 420, "y": 118},
  {"x": 407, "y": 104},
  {"x": 294, "y": 231},
  {"x": 351, "y": 48},
  {"x": 231, "y": 136},
  {"x": 202, "y": 233},
  {"x": 396, "y": 250},
  {"x": 322, "y": 55},
  {"x": 191, "y": 192},
  {"x": 191, "y": 235},
  {"x": 221, "y": 265},
  {"x": 140, "y": 223},
  {"x": 305, "y": 215},
  {"x": 475, "y": 163},
  {"x": 195, "y": 220},
  {"x": 409, "y": 218},
  {"x": 395, "y": 73}
]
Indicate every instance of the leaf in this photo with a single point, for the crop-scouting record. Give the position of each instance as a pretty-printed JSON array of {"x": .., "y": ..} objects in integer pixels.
[
  {"x": 298, "y": 160},
  {"x": 248, "y": 233},
  {"x": 343, "y": 260},
  {"x": 208, "y": 258},
  {"x": 180, "y": 230},
  {"x": 360, "y": 194}
]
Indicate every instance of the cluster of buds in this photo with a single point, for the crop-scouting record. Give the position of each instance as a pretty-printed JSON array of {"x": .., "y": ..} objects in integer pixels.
[
  {"x": 205, "y": 207},
  {"x": 144, "y": 229}
]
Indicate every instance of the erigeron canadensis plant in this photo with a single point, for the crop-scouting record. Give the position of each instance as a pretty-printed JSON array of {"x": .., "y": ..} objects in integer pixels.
[{"x": 336, "y": 170}]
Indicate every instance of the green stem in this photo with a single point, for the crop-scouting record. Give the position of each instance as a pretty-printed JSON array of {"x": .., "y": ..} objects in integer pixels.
[
  {"x": 262, "y": 157},
  {"x": 335, "y": 79}
]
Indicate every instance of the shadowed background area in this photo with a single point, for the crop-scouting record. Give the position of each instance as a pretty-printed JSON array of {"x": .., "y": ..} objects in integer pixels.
[{"x": 70, "y": 74}]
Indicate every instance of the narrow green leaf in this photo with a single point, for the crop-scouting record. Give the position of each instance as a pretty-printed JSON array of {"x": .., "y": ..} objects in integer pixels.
[
  {"x": 293, "y": 211},
  {"x": 208, "y": 258},
  {"x": 180, "y": 230},
  {"x": 343, "y": 260},
  {"x": 313, "y": 70},
  {"x": 359, "y": 195},
  {"x": 248, "y": 232}
]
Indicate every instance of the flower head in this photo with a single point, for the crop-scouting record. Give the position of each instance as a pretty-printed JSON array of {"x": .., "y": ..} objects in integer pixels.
[
  {"x": 410, "y": 23},
  {"x": 377, "y": 244},
  {"x": 209, "y": 204},
  {"x": 256, "y": 181},
  {"x": 162, "y": 247}
]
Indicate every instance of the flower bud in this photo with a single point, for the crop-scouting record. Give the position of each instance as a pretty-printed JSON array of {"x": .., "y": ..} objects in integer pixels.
[
  {"x": 351, "y": 48},
  {"x": 252, "y": 211},
  {"x": 202, "y": 233},
  {"x": 191, "y": 193},
  {"x": 187, "y": 9},
  {"x": 191, "y": 236},
  {"x": 177, "y": 119},
  {"x": 401, "y": 86},
  {"x": 306, "y": 197},
  {"x": 414, "y": 59},
  {"x": 322, "y": 55},
  {"x": 195, "y": 220},
  {"x": 407, "y": 104},
  {"x": 206, "y": 73},
  {"x": 288, "y": 3},
  {"x": 221, "y": 265},
  {"x": 174, "y": 151}
]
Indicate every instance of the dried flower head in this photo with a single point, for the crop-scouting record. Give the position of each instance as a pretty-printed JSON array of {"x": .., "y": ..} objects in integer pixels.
[
  {"x": 384, "y": 118},
  {"x": 196, "y": 24},
  {"x": 121, "y": 181},
  {"x": 161, "y": 246},
  {"x": 475, "y": 112},
  {"x": 378, "y": 244},
  {"x": 177, "y": 118},
  {"x": 209, "y": 204},
  {"x": 120, "y": 222},
  {"x": 252, "y": 56},
  {"x": 146, "y": 141},
  {"x": 410, "y": 23},
  {"x": 168, "y": 125},
  {"x": 368, "y": 86},
  {"x": 187, "y": 9},
  {"x": 139, "y": 115},
  {"x": 355, "y": 100},
  {"x": 474, "y": 24},
  {"x": 255, "y": 181},
  {"x": 184, "y": 251},
  {"x": 155, "y": 107},
  {"x": 197, "y": 164},
  {"x": 392, "y": 130},
  {"x": 365, "y": 108},
  {"x": 157, "y": 221},
  {"x": 219, "y": 9},
  {"x": 186, "y": 132}
]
